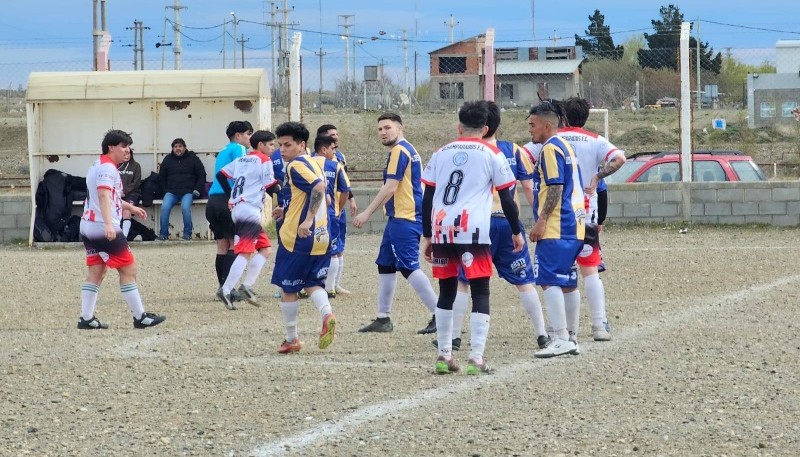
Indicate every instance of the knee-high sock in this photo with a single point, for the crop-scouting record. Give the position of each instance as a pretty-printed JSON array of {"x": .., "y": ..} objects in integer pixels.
[
  {"x": 320, "y": 299},
  {"x": 479, "y": 332},
  {"x": 530, "y": 301},
  {"x": 333, "y": 270},
  {"x": 554, "y": 300},
  {"x": 126, "y": 226},
  {"x": 340, "y": 272},
  {"x": 230, "y": 257},
  {"x": 444, "y": 331},
  {"x": 289, "y": 311},
  {"x": 130, "y": 292},
  {"x": 572, "y": 311},
  {"x": 422, "y": 286},
  {"x": 89, "y": 294},
  {"x": 254, "y": 268},
  {"x": 386, "y": 286},
  {"x": 596, "y": 296},
  {"x": 459, "y": 311},
  {"x": 235, "y": 273},
  {"x": 219, "y": 267}
]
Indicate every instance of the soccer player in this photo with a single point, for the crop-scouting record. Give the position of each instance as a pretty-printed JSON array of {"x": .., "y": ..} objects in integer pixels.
[
  {"x": 559, "y": 212},
  {"x": 337, "y": 191},
  {"x": 251, "y": 175},
  {"x": 101, "y": 233},
  {"x": 331, "y": 131},
  {"x": 401, "y": 196},
  {"x": 302, "y": 260},
  {"x": 514, "y": 267},
  {"x": 457, "y": 207},
  {"x": 594, "y": 152},
  {"x": 217, "y": 212}
]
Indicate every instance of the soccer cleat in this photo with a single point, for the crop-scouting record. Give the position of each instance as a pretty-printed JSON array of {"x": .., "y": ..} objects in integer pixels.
[
  {"x": 236, "y": 296},
  {"x": 445, "y": 365},
  {"x": 328, "y": 331},
  {"x": 331, "y": 294},
  {"x": 302, "y": 294},
  {"x": 430, "y": 328},
  {"x": 379, "y": 325},
  {"x": 474, "y": 367},
  {"x": 249, "y": 295},
  {"x": 556, "y": 348},
  {"x": 92, "y": 324},
  {"x": 342, "y": 291},
  {"x": 602, "y": 267},
  {"x": 148, "y": 320},
  {"x": 456, "y": 343},
  {"x": 574, "y": 339},
  {"x": 542, "y": 341},
  {"x": 277, "y": 293},
  {"x": 226, "y": 298},
  {"x": 607, "y": 325},
  {"x": 288, "y": 347},
  {"x": 600, "y": 333}
]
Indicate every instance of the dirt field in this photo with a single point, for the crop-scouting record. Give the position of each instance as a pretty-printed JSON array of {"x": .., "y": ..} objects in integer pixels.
[{"x": 703, "y": 362}]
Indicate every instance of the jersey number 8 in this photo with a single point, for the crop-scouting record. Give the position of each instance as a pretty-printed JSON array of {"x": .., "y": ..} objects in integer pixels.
[{"x": 453, "y": 186}]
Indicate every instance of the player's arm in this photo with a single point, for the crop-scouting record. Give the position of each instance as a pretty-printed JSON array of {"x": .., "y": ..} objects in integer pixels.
[
  {"x": 551, "y": 202},
  {"x": 527, "y": 189},
  {"x": 223, "y": 181},
  {"x": 427, "y": 218},
  {"x": 315, "y": 199},
  {"x": 104, "y": 195},
  {"x": 274, "y": 188},
  {"x": 511, "y": 211},
  {"x": 385, "y": 193},
  {"x": 141, "y": 212},
  {"x": 608, "y": 168}
]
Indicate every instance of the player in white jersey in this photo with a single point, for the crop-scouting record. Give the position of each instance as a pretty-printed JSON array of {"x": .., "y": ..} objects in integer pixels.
[
  {"x": 252, "y": 175},
  {"x": 106, "y": 246},
  {"x": 456, "y": 211},
  {"x": 597, "y": 158}
]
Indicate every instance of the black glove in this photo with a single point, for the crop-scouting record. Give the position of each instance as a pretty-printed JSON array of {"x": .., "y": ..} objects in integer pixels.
[{"x": 196, "y": 193}]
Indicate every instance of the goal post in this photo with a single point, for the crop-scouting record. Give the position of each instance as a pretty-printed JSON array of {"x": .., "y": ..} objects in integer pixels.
[{"x": 604, "y": 112}]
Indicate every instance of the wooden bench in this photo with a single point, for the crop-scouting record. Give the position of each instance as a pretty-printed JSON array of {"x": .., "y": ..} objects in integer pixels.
[{"x": 201, "y": 228}]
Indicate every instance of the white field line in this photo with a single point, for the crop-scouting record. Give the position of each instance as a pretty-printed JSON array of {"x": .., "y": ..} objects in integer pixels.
[{"x": 370, "y": 413}]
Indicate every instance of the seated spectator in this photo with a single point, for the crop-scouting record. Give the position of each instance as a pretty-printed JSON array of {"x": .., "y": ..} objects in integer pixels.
[
  {"x": 131, "y": 174},
  {"x": 182, "y": 177}
]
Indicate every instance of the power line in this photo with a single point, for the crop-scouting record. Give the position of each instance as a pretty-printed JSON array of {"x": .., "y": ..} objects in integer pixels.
[{"x": 739, "y": 26}]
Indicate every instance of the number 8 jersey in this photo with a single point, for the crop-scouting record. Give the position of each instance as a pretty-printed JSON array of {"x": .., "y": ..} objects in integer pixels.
[{"x": 465, "y": 173}]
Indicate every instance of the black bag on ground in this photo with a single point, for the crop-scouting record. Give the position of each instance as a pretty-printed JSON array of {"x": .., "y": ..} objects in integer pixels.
[
  {"x": 137, "y": 228},
  {"x": 52, "y": 202}
]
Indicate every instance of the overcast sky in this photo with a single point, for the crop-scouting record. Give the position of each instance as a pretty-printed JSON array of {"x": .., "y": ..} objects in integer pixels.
[{"x": 55, "y": 35}]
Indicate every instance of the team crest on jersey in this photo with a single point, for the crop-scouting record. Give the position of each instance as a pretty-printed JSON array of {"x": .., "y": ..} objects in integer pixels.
[
  {"x": 460, "y": 158},
  {"x": 467, "y": 258}
]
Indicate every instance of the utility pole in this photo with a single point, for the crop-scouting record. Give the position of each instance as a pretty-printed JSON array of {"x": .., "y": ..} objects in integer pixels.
[
  {"x": 405, "y": 61},
  {"x": 272, "y": 24},
  {"x": 321, "y": 54},
  {"x": 243, "y": 41},
  {"x": 346, "y": 37},
  {"x": 176, "y": 28},
  {"x": 98, "y": 34},
  {"x": 452, "y": 23},
  {"x": 163, "y": 43},
  {"x": 699, "y": 99},
  {"x": 234, "y": 38},
  {"x": 283, "y": 44}
]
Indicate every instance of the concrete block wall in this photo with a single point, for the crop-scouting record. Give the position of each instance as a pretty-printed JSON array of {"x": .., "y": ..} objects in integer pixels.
[{"x": 15, "y": 218}]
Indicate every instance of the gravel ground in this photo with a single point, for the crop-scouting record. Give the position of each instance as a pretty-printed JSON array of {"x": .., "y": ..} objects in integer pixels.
[{"x": 703, "y": 362}]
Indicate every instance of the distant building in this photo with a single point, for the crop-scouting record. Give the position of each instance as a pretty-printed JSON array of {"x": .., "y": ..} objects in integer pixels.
[{"x": 771, "y": 98}]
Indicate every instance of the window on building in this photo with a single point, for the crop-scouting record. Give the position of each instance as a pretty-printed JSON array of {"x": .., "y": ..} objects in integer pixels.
[
  {"x": 767, "y": 109},
  {"x": 450, "y": 65},
  {"x": 451, "y": 90},
  {"x": 506, "y": 91},
  {"x": 787, "y": 109}
]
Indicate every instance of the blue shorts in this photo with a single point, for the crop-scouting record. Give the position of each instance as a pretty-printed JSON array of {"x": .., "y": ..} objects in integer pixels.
[
  {"x": 554, "y": 262},
  {"x": 514, "y": 267},
  {"x": 400, "y": 244},
  {"x": 333, "y": 231},
  {"x": 298, "y": 271},
  {"x": 342, "y": 230}
]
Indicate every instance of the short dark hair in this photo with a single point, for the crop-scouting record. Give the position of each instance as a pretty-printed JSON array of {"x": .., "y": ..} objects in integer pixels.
[
  {"x": 178, "y": 141},
  {"x": 296, "y": 130},
  {"x": 261, "y": 136},
  {"x": 323, "y": 141},
  {"x": 238, "y": 127},
  {"x": 547, "y": 109},
  {"x": 390, "y": 117},
  {"x": 576, "y": 111},
  {"x": 473, "y": 115},
  {"x": 115, "y": 138},
  {"x": 493, "y": 120},
  {"x": 324, "y": 128}
]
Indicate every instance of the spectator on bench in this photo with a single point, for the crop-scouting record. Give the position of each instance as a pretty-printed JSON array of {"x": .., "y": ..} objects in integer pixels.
[
  {"x": 182, "y": 176},
  {"x": 131, "y": 173}
]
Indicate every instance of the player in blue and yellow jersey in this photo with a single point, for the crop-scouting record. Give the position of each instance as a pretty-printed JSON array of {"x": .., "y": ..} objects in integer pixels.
[
  {"x": 303, "y": 240},
  {"x": 338, "y": 191},
  {"x": 401, "y": 196},
  {"x": 559, "y": 212}
]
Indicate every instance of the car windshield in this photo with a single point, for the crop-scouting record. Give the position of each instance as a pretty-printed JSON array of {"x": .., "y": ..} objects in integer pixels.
[
  {"x": 626, "y": 171},
  {"x": 747, "y": 170}
]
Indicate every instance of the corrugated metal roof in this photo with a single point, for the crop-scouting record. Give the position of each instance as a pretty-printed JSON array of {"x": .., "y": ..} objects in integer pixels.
[
  {"x": 788, "y": 44},
  {"x": 536, "y": 67},
  {"x": 143, "y": 85}
]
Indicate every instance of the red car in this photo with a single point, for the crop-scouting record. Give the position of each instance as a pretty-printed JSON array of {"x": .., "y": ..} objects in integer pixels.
[{"x": 707, "y": 166}]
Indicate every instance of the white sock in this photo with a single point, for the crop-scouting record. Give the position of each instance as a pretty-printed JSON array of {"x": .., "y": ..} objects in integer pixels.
[
  {"x": 333, "y": 270},
  {"x": 340, "y": 273},
  {"x": 289, "y": 311},
  {"x": 126, "y": 226},
  {"x": 89, "y": 294},
  {"x": 459, "y": 311},
  {"x": 386, "y": 285},
  {"x": 130, "y": 292},
  {"x": 572, "y": 311},
  {"x": 320, "y": 299},
  {"x": 422, "y": 286},
  {"x": 530, "y": 301},
  {"x": 479, "y": 328},
  {"x": 237, "y": 269},
  {"x": 254, "y": 268},
  {"x": 596, "y": 296},
  {"x": 444, "y": 331},
  {"x": 554, "y": 300}
]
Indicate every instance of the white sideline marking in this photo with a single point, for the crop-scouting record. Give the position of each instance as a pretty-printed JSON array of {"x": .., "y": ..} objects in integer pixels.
[{"x": 366, "y": 414}]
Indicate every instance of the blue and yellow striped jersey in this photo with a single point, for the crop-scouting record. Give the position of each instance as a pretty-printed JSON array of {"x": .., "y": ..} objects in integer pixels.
[
  {"x": 336, "y": 181},
  {"x": 557, "y": 165},
  {"x": 302, "y": 174},
  {"x": 404, "y": 165},
  {"x": 521, "y": 166}
]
